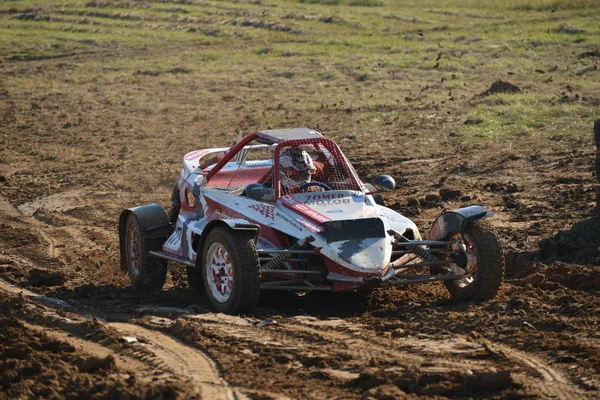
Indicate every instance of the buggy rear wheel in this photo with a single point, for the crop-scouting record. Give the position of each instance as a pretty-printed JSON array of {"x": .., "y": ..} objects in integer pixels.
[
  {"x": 231, "y": 271},
  {"x": 146, "y": 272},
  {"x": 482, "y": 258}
]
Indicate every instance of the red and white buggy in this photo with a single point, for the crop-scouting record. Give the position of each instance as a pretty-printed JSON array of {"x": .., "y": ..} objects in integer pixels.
[{"x": 333, "y": 234}]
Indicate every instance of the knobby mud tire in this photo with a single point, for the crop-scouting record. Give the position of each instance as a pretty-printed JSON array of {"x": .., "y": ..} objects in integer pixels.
[
  {"x": 490, "y": 265},
  {"x": 152, "y": 271},
  {"x": 242, "y": 253}
]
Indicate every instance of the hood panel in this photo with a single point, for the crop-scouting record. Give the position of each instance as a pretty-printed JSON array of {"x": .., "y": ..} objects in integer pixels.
[{"x": 337, "y": 205}]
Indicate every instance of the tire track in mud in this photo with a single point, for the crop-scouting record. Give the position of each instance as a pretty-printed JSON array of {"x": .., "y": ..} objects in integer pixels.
[
  {"x": 65, "y": 240},
  {"x": 462, "y": 354},
  {"x": 154, "y": 350},
  {"x": 127, "y": 363},
  {"x": 306, "y": 338},
  {"x": 554, "y": 384},
  {"x": 197, "y": 368}
]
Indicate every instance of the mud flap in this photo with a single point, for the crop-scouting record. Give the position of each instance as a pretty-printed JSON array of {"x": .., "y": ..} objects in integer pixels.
[
  {"x": 457, "y": 221},
  {"x": 153, "y": 222}
]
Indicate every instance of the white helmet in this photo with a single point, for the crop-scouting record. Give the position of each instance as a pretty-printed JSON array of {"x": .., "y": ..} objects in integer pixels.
[{"x": 295, "y": 167}]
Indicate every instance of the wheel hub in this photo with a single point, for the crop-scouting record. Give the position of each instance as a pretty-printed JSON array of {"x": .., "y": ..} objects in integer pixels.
[
  {"x": 466, "y": 259},
  {"x": 219, "y": 272}
]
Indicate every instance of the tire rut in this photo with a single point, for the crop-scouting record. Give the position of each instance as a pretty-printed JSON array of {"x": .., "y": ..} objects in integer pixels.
[
  {"x": 127, "y": 363},
  {"x": 197, "y": 368},
  {"x": 156, "y": 350},
  {"x": 433, "y": 355}
]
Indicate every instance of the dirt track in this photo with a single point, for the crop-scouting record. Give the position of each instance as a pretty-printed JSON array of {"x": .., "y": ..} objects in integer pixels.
[
  {"x": 73, "y": 156},
  {"x": 538, "y": 338}
]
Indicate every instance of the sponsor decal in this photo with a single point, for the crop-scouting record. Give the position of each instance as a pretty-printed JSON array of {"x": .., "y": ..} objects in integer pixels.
[
  {"x": 288, "y": 220},
  {"x": 334, "y": 211},
  {"x": 324, "y": 196},
  {"x": 329, "y": 203},
  {"x": 265, "y": 210},
  {"x": 195, "y": 154},
  {"x": 303, "y": 209},
  {"x": 289, "y": 200},
  {"x": 309, "y": 226},
  {"x": 327, "y": 200},
  {"x": 220, "y": 211}
]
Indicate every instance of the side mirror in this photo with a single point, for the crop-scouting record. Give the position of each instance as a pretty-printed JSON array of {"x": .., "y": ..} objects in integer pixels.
[
  {"x": 384, "y": 183},
  {"x": 259, "y": 192}
]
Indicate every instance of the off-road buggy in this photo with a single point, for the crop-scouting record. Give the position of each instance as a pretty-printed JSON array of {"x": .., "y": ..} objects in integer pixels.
[{"x": 332, "y": 234}]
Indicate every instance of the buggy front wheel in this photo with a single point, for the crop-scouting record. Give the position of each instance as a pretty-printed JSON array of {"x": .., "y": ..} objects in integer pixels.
[
  {"x": 231, "y": 271},
  {"x": 481, "y": 258}
]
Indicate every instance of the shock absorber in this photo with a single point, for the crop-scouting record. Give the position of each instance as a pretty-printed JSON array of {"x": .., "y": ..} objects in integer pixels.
[
  {"x": 280, "y": 259},
  {"x": 424, "y": 254},
  {"x": 418, "y": 250}
]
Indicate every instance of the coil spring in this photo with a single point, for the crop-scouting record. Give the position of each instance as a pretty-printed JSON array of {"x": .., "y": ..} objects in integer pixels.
[
  {"x": 424, "y": 254},
  {"x": 173, "y": 214},
  {"x": 277, "y": 261}
]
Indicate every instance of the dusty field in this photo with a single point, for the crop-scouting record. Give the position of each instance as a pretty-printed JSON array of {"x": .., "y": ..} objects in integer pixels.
[{"x": 89, "y": 128}]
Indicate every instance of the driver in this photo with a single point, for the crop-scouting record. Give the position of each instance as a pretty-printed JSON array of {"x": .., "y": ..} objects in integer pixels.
[{"x": 295, "y": 169}]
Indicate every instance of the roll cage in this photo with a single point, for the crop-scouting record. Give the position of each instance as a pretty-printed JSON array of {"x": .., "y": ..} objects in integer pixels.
[{"x": 329, "y": 152}]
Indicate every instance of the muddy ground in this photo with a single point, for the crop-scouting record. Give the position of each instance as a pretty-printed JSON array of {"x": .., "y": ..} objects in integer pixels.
[
  {"x": 71, "y": 326},
  {"x": 96, "y": 336}
]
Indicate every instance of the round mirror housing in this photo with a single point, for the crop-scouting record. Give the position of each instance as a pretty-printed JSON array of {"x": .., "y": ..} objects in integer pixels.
[
  {"x": 259, "y": 192},
  {"x": 384, "y": 183}
]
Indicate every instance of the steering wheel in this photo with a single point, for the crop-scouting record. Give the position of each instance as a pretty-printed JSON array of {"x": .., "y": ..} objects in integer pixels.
[{"x": 304, "y": 187}]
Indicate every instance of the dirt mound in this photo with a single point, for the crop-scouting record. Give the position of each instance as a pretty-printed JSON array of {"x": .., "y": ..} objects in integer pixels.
[
  {"x": 569, "y": 259},
  {"x": 501, "y": 87},
  {"x": 580, "y": 244}
]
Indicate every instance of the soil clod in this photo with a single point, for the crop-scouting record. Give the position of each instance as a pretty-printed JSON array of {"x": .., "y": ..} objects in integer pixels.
[
  {"x": 501, "y": 87},
  {"x": 40, "y": 277}
]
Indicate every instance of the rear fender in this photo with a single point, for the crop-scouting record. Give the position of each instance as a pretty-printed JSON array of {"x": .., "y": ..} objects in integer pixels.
[
  {"x": 153, "y": 223},
  {"x": 458, "y": 220},
  {"x": 239, "y": 225}
]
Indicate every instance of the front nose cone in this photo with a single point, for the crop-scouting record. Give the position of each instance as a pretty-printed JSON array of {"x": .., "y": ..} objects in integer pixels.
[{"x": 368, "y": 255}]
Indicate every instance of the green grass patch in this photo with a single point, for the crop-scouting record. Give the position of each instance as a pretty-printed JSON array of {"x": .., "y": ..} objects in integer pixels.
[{"x": 414, "y": 65}]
